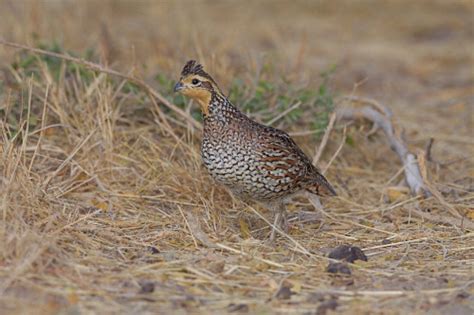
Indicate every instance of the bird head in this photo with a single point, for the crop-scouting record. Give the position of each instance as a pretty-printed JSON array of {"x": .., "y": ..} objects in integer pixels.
[{"x": 197, "y": 84}]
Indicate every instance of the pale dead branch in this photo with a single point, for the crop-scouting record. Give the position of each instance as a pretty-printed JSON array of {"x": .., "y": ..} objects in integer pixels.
[
  {"x": 375, "y": 113},
  {"x": 414, "y": 165}
]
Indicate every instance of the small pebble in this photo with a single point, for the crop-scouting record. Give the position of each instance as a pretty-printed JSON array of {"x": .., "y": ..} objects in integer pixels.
[
  {"x": 284, "y": 293},
  {"x": 147, "y": 287},
  {"x": 324, "y": 307},
  {"x": 338, "y": 268},
  {"x": 347, "y": 253},
  {"x": 153, "y": 250}
]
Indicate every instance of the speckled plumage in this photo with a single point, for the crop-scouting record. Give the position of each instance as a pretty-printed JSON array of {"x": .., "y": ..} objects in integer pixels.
[{"x": 254, "y": 161}]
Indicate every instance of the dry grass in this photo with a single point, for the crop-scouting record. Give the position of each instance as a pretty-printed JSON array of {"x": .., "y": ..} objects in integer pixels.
[{"x": 105, "y": 205}]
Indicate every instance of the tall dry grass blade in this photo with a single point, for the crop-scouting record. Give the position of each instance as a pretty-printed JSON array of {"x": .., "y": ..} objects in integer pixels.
[
  {"x": 325, "y": 139},
  {"x": 43, "y": 123},
  {"x": 68, "y": 159}
]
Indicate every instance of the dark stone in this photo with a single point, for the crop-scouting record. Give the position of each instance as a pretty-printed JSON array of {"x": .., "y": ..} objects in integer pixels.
[
  {"x": 462, "y": 295},
  {"x": 153, "y": 250},
  {"x": 348, "y": 253},
  {"x": 284, "y": 293},
  {"x": 147, "y": 287},
  {"x": 338, "y": 268},
  {"x": 324, "y": 307}
]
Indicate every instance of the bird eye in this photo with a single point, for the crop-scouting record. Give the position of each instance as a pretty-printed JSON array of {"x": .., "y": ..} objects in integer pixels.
[{"x": 195, "y": 81}]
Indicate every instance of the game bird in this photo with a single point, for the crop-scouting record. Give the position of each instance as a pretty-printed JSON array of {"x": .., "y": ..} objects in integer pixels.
[{"x": 256, "y": 162}]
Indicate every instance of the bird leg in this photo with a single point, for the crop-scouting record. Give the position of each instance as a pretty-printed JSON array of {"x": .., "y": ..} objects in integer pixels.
[
  {"x": 276, "y": 224},
  {"x": 314, "y": 200},
  {"x": 280, "y": 222},
  {"x": 284, "y": 219}
]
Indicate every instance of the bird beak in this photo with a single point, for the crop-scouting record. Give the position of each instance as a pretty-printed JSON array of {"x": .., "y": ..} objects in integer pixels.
[{"x": 179, "y": 86}]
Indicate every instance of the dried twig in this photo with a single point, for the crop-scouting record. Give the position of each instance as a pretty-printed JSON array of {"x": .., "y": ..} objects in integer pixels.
[
  {"x": 429, "y": 146},
  {"x": 459, "y": 222},
  {"x": 379, "y": 107},
  {"x": 323, "y": 143},
  {"x": 284, "y": 113},
  {"x": 379, "y": 116},
  {"x": 344, "y": 137},
  {"x": 413, "y": 166}
]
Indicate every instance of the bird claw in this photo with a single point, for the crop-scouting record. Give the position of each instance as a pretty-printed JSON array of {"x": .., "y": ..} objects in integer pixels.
[{"x": 281, "y": 222}]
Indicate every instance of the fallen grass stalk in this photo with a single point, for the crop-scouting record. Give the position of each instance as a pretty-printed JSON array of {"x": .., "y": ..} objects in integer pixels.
[
  {"x": 240, "y": 252},
  {"x": 68, "y": 159},
  {"x": 298, "y": 245},
  {"x": 382, "y": 293}
]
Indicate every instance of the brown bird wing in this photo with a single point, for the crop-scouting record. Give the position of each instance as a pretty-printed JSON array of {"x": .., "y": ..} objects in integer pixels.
[
  {"x": 287, "y": 163},
  {"x": 281, "y": 157}
]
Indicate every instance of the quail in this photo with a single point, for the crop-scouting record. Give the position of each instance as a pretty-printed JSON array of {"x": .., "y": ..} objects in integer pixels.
[{"x": 256, "y": 162}]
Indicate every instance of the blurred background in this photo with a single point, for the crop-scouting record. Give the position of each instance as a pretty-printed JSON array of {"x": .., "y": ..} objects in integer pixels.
[{"x": 414, "y": 56}]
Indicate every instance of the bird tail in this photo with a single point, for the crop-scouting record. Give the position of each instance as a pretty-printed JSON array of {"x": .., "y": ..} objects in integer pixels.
[{"x": 319, "y": 185}]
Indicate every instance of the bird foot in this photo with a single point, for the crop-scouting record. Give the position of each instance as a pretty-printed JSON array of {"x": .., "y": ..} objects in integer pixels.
[{"x": 281, "y": 222}]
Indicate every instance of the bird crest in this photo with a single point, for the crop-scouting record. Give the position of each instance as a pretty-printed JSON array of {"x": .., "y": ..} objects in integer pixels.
[{"x": 193, "y": 67}]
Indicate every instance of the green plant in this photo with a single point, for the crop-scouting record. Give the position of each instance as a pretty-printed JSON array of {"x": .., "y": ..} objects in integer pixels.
[
  {"x": 268, "y": 100},
  {"x": 323, "y": 102},
  {"x": 31, "y": 65}
]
